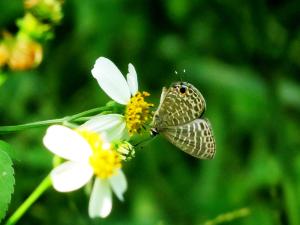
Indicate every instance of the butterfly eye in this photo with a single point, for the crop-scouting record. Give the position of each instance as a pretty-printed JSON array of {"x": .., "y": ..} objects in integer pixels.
[{"x": 183, "y": 89}]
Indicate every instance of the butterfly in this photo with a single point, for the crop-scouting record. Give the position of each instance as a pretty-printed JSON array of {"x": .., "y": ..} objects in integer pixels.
[{"x": 179, "y": 119}]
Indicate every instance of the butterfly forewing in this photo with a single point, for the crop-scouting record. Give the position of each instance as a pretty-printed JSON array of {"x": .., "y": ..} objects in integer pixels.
[
  {"x": 180, "y": 104},
  {"x": 195, "y": 138}
]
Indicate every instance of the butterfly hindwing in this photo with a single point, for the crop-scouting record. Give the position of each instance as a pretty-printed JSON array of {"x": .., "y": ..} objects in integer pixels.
[{"x": 195, "y": 138}]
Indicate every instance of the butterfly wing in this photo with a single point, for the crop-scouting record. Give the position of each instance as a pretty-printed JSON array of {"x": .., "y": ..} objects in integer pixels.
[
  {"x": 180, "y": 104},
  {"x": 195, "y": 138}
]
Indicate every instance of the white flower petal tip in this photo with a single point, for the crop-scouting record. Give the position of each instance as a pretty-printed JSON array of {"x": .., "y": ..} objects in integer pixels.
[
  {"x": 100, "y": 204},
  {"x": 119, "y": 184},
  {"x": 132, "y": 79},
  {"x": 111, "y": 80},
  {"x": 67, "y": 143},
  {"x": 70, "y": 176}
]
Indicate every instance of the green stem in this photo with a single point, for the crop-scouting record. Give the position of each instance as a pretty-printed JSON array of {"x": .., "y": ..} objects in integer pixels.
[
  {"x": 43, "y": 186},
  {"x": 8, "y": 129},
  {"x": 88, "y": 112},
  {"x": 229, "y": 217},
  {"x": 145, "y": 139}
]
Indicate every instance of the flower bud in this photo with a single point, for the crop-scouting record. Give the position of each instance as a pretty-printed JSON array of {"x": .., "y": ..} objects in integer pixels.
[
  {"x": 4, "y": 54},
  {"x": 30, "y": 26},
  {"x": 126, "y": 150},
  {"x": 45, "y": 9},
  {"x": 25, "y": 54}
]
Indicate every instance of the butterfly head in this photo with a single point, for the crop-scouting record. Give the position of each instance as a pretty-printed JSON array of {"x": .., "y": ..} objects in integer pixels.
[
  {"x": 154, "y": 131},
  {"x": 182, "y": 88}
]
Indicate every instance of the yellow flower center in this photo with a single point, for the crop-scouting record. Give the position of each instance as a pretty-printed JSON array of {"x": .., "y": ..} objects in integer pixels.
[
  {"x": 104, "y": 160},
  {"x": 137, "y": 112}
]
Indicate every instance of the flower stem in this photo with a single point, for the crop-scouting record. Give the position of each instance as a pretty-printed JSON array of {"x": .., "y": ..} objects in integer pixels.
[
  {"x": 8, "y": 129},
  {"x": 145, "y": 139},
  {"x": 229, "y": 217},
  {"x": 88, "y": 112},
  {"x": 43, "y": 186}
]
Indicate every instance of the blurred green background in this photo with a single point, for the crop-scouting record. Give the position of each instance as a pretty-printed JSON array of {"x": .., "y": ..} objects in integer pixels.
[{"x": 244, "y": 56}]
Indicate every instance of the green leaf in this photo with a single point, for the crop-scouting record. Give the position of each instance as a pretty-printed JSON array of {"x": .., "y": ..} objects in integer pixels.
[
  {"x": 7, "y": 181},
  {"x": 8, "y": 149}
]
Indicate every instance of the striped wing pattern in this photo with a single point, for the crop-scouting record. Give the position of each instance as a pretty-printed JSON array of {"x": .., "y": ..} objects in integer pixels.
[
  {"x": 178, "y": 108},
  {"x": 178, "y": 118},
  {"x": 195, "y": 138}
]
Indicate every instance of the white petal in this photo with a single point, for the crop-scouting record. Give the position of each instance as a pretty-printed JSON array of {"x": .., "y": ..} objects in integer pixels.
[
  {"x": 111, "y": 80},
  {"x": 103, "y": 122},
  {"x": 132, "y": 79},
  {"x": 100, "y": 204},
  {"x": 67, "y": 143},
  {"x": 110, "y": 126},
  {"x": 70, "y": 176},
  {"x": 117, "y": 133},
  {"x": 119, "y": 184}
]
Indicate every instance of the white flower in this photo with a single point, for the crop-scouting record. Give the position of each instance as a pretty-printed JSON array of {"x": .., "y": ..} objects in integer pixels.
[
  {"x": 113, "y": 82},
  {"x": 86, "y": 154},
  {"x": 112, "y": 126},
  {"x": 124, "y": 92}
]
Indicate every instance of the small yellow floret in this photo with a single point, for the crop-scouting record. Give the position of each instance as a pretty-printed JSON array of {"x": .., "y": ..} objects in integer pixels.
[
  {"x": 137, "y": 112},
  {"x": 105, "y": 163},
  {"x": 104, "y": 160}
]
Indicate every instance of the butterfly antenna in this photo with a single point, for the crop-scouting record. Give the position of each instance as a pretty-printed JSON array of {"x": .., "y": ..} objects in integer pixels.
[
  {"x": 183, "y": 74},
  {"x": 180, "y": 74}
]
